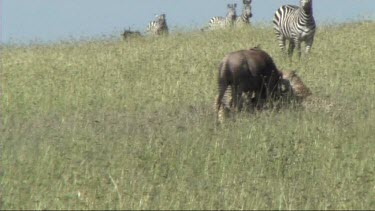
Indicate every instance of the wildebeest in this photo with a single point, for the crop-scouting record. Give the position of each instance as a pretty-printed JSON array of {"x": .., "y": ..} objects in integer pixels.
[
  {"x": 289, "y": 88},
  {"x": 247, "y": 71},
  {"x": 129, "y": 33}
]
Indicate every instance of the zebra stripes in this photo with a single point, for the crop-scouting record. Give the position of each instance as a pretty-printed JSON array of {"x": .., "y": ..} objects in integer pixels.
[
  {"x": 158, "y": 26},
  {"x": 244, "y": 19},
  {"x": 223, "y": 22},
  {"x": 295, "y": 24}
]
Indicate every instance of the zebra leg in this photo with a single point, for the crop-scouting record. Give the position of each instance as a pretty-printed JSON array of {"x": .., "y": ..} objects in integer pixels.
[
  {"x": 309, "y": 45},
  {"x": 298, "y": 44},
  {"x": 282, "y": 40},
  {"x": 291, "y": 48}
]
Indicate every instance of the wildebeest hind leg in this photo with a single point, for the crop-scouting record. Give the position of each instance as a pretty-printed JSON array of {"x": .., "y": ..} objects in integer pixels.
[
  {"x": 237, "y": 98},
  {"x": 219, "y": 99}
]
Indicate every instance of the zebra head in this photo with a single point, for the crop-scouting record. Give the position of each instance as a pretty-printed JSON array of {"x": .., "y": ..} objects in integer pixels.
[
  {"x": 247, "y": 9},
  {"x": 160, "y": 17},
  {"x": 231, "y": 15},
  {"x": 161, "y": 20},
  {"x": 306, "y": 4}
]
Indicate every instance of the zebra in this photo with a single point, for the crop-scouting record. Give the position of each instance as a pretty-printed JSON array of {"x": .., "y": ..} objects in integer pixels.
[
  {"x": 295, "y": 24},
  {"x": 244, "y": 19},
  {"x": 222, "y": 22},
  {"x": 158, "y": 26}
]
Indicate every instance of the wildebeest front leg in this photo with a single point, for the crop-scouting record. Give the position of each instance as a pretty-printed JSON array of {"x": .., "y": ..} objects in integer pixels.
[
  {"x": 240, "y": 99},
  {"x": 261, "y": 95},
  {"x": 249, "y": 101},
  {"x": 259, "y": 99}
]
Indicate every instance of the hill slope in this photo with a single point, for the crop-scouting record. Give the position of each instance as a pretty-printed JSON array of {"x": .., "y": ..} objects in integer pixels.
[{"x": 130, "y": 125}]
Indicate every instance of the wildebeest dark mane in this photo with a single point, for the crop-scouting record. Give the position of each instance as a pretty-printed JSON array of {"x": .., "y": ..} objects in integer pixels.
[{"x": 130, "y": 33}]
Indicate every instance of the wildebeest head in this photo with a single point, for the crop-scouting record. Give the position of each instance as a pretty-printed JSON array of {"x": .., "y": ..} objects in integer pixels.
[{"x": 129, "y": 33}]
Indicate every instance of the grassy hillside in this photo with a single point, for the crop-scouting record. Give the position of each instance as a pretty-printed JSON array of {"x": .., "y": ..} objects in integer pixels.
[{"x": 130, "y": 125}]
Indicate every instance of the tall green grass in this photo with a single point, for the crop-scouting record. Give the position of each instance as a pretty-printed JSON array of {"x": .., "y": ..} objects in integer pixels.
[{"x": 116, "y": 124}]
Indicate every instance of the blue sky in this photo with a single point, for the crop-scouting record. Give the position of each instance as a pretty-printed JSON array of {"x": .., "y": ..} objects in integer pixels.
[{"x": 53, "y": 20}]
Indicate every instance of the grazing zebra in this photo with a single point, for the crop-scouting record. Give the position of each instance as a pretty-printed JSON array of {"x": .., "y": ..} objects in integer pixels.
[
  {"x": 295, "y": 24},
  {"x": 158, "y": 26},
  {"x": 222, "y": 22},
  {"x": 244, "y": 19}
]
